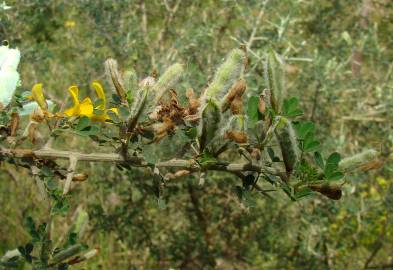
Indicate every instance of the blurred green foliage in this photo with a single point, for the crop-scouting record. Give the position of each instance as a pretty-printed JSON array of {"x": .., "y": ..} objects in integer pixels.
[{"x": 339, "y": 61}]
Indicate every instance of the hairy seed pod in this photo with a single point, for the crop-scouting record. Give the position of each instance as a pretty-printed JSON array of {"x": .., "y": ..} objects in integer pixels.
[
  {"x": 88, "y": 255},
  {"x": 209, "y": 124},
  {"x": 130, "y": 80},
  {"x": 358, "y": 160},
  {"x": 167, "y": 80},
  {"x": 67, "y": 253},
  {"x": 275, "y": 79},
  {"x": 330, "y": 190},
  {"x": 137, "y": 107},
  {"x": 116, "y": 81},
  {"x": 80, "y": 221},
  {"x": 236, "y": 129},
  {"x": 237, "y": 90},
  {"x": 226, "y": 75},
  {"x": 288, "y": 144}
]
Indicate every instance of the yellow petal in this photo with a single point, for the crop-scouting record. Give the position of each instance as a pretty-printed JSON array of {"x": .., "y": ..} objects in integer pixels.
[
  {"x": 38, "y": 96},
  {"x": 74, "y": 91},
  {"x": 101, "y": 94},
  {"x": 115, "y": 110},
  {"x": 86, "y": 108}
]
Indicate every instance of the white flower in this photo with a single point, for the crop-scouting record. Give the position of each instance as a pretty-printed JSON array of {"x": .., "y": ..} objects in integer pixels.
[{"x": 9, "y": 76}]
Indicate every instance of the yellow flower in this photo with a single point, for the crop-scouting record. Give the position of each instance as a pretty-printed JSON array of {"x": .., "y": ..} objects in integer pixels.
[
  {"x": 86, "y": 107},
  {"x": 38, "y": 96},
  {"x": 69, "y": 24}
]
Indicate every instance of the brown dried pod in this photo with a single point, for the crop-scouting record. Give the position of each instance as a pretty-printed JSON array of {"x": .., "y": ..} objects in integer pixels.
[
  {"x": 237, "y": 89},
  {"x": 14, "y": 124},
  {"x": 255, "y": 153},
  {"x": 80, "y": 177},
  {"x": 262, "y": 104},
  {"x": 180, "y": 173},
  {"x": 237, "y": 105},
  {"x": 32, "y": 132},
  {"x": 37, "y": 115},
  {"x": 372, "y": 165},
  {"x": 162, "y": 129},
  {"x": 236, "y": 136},
  {"x": 193, "y": 102},
  {"x": 330, "y": 190}
]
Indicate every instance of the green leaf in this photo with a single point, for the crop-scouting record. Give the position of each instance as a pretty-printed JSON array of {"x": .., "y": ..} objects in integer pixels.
[
  {"x": 248, "y": 199},
  {"x": 332, "y": 164},
  {"x": 51, "y": 184},
  {"x": 161, "y": 204},
  {"x": 252, "y": 110},
  {"x": 304, "y": 128},
  {"x": 291, "y": 108},
  {"x": 335, "y": 176},
  {"x": 303, "y": 192},
  {"x": 319, "y": 160},
  {"x": 116, "y": 99},
  {"x": 191, "y": 132},
  {"x": 83, "y": 123},
  {"x": 98, "y": 103},
  {"x": 114, "y": 117},
  {"x": 310, "y": 146}
]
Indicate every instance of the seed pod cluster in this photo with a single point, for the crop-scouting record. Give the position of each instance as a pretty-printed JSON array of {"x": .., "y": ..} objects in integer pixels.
[{"x": 286, "y": 137}]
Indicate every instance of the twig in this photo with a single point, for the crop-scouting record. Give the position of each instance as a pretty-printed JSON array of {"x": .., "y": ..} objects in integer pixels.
[{"x": 70, "y": 173}]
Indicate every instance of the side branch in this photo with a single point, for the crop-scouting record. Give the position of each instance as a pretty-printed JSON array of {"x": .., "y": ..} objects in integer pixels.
[{"x": 189, "y": 164}]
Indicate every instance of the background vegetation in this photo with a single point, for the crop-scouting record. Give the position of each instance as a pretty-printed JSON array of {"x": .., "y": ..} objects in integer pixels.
[{"x": 339, "y": 61}]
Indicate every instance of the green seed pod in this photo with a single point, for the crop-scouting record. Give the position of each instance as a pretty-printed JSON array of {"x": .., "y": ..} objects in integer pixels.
[
  {"x": 227, "y": 74},
  {"x": 130, "y": 80},
  {"x": 67, "y": 253},
  {"x": 275, "y": 79},
  {"x": 167, "y": 80},
  {"x": 81, "y": 219},
  {"x": 137, "y": 107},
  {"x": 288, "y": 143},
  {"x": 356, "y": 161},
  {"x": 209, "y": 124}
]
